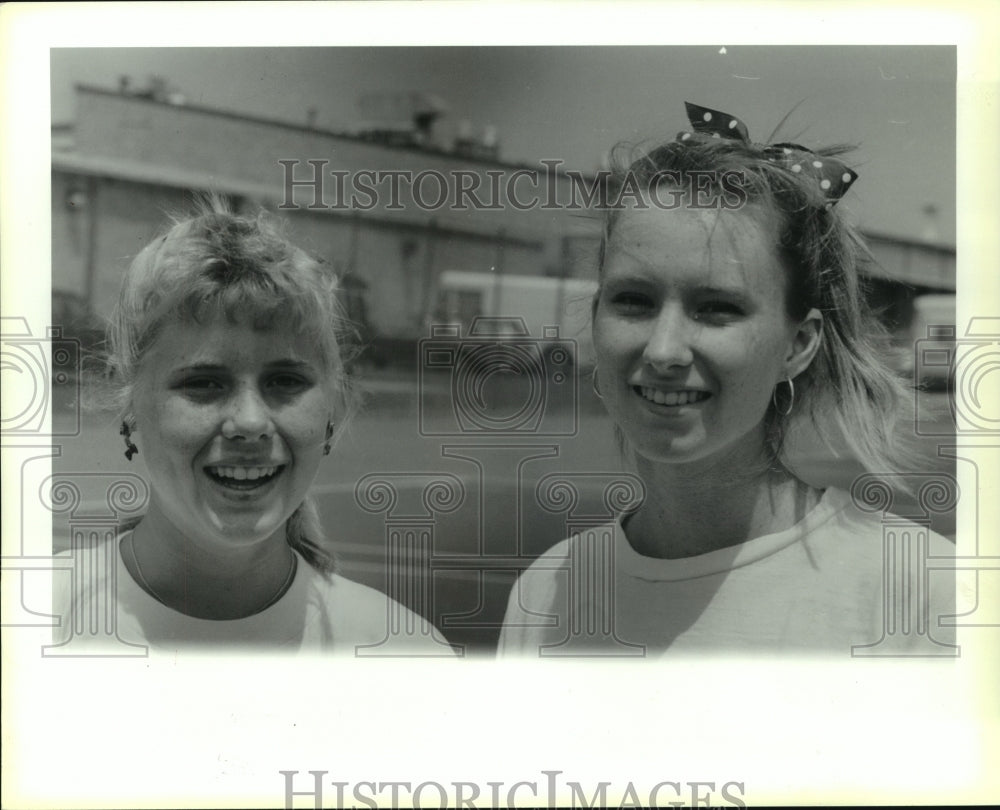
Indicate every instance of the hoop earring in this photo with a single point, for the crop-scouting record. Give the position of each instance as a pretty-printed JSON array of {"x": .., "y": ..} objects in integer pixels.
[
  {"x": 594, "y": 383},
  {"x": 791, "y": 398},
  {"x": 126, "y": 432},
  {"x": 327, "y": 445}
]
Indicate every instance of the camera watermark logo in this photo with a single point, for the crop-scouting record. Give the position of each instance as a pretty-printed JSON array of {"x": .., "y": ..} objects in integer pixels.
[
  {"x": 969, "y": 367},
  {"x": 500, "y": 380},
  {"x": 27, "y": 384}
]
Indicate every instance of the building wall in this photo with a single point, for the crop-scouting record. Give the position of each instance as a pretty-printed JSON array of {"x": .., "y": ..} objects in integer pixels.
[
  {"x": 70, "y": 233},
  {"x": 396, "y": 253},
  {"x": 98, "y": 225},
  {"x": 135, "y": 160},
  {"x": 110, "y": 220},
  {"x": 228, "y": 146}
]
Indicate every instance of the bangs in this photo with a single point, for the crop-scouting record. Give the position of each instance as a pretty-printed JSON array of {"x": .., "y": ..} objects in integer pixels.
[
  {"x": 239, "y": 306},
  {"x": 279, "y": 298},
  {"x": 262, "y": 306},
  {"x": 219, "y": 268}
]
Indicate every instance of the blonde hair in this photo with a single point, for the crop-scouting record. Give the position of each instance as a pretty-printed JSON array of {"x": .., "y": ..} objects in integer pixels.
[
  {"x": 848, "y": 390},
  {"x": 218, "y": 264}
]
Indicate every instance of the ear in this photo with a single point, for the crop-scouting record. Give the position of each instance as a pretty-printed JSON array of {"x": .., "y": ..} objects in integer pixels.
[{"x": 805, "y": 343}]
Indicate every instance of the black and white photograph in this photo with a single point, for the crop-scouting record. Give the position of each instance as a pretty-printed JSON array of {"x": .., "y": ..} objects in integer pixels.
[{"x": 406, "y": 414}]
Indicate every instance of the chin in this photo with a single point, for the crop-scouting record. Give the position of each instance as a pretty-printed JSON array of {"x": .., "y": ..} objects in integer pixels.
[
  {"x": 249, "y": 531},
  {"x": 678, "y": 452}
]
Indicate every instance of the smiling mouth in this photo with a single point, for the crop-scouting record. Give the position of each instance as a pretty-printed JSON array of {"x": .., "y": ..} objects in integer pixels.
[
  {"x": 243, "y": 478},
  {"x": 671, "y": 398}
]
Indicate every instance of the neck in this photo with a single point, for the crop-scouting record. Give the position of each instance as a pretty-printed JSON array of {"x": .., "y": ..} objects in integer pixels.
[
  {"x": 698, "y": 508},
  {"x": 206, "y": 580}
]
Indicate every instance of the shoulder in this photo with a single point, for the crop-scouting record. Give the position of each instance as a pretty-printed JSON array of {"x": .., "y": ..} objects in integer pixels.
[
  {"x": 855, "y": 527},
  {"x": 538, "y": 587},
  {"x": 362, "y": 615},
  {"x": 85, "y": 572},
  {"x": 544, "y": 595},
  {"x": 549, "y": 566},
  {"x": 92, "y": 594},
  {"x": 337, "y": 590},
  {"x": 895, "y": 556},
  {"x": 904, "y": 522},
  {"x": 587, "y": 547},
  {"x": 853, "y": 545}
]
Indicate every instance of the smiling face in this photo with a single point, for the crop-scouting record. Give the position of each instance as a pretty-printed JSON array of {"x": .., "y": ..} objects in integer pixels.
[
  {"x": 231, "y": 422},
  {"x": 692, "y": 334}
]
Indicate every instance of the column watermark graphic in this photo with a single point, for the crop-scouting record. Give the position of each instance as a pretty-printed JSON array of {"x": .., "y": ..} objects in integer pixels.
[
  {"x": 36, "y": 365},
  {"x": 509, "y": 398},
  {"x": 908, "y": 618},
  {"x": 409, "y": 539},
  {"x": 591, "y": 566},
  {"x": 968, "y": 362},
  {"x": 507, "y": 395},
  {"x": 94, "y": 528}
]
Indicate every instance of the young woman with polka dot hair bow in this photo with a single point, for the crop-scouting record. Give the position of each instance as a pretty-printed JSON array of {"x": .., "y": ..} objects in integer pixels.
[{"x": 730, "y": 306}]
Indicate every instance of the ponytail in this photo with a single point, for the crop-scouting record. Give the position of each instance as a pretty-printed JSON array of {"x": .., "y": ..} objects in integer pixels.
[{"x": 304, "y": 533}]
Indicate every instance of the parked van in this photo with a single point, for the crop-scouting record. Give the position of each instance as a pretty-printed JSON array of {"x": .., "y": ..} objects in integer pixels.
[
  {"x": 933, "y": 336},
  {"x": 538, "y": 301}
]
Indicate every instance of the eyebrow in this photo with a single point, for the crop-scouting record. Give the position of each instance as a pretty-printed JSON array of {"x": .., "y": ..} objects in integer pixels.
[
  {"x": 708, "y": 289},
  {"x": 289, "y": 362},
  {"x": 639, "y": 279},
  {"x": 285, "y": 362}
]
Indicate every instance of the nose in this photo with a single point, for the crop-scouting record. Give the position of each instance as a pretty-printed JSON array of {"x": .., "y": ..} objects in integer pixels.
[
  {"x": 249, "y": 416},
  {"x": 669, "y": 341}
]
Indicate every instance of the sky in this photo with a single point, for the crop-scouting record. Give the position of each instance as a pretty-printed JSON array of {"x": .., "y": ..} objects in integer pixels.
[{"x": 573, "y": 103}]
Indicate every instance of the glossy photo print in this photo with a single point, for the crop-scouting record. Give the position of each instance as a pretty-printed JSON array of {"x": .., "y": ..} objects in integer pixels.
[
  {"x": 499, "y": 305},
  {"x": 374, "y": 387}
]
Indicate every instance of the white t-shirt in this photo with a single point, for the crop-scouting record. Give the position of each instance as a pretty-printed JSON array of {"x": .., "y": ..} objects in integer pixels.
[
  {"x": 836, "y": 581},
  {"x": 316, "y": 614}
]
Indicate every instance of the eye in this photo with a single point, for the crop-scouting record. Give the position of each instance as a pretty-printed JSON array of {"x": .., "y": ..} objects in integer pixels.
[
  {"x": 719, "y": 311},
  {"x": 631, "y": 303},
  {"x": 200, "y": 387},
  {"x": 289, "y": 382}
]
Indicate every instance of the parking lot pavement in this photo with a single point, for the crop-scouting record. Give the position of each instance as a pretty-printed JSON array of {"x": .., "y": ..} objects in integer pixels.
[
  {"x": 500, "y": 526},
  {"x": 387, "y": 435}
]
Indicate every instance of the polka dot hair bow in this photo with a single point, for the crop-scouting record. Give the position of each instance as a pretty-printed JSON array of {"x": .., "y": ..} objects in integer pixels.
[{"x": 832, "y": 176}]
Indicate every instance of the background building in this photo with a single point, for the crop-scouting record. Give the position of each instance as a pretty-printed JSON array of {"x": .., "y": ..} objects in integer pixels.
[{"x": 132, "y": 156}]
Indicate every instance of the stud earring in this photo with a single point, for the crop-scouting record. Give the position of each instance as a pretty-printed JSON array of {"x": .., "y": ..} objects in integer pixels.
[
  {"x": 327, "y": 446},
  {"x": 130, "y": 448}
]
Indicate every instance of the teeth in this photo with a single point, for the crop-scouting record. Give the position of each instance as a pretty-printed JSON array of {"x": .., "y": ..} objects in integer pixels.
[
  {"x": 672, "y": 397},
  {"x": 243, "y": 473}
]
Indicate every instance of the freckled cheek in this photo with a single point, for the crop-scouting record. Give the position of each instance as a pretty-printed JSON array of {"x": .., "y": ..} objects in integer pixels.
[
  {"x": 305, "y": 428},
  {"x": 751, "y": 363},
  {"x": 616, "y": 344},
  {"x": 184, "y": 426}
]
